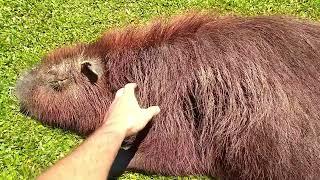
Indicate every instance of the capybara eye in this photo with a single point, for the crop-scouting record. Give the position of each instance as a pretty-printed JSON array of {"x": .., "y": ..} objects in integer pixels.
[
  {"x": 58, "y": 85},
  {"x": 52, "y": 72}
]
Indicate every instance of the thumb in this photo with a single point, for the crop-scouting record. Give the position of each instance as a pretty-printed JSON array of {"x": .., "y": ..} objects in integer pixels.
[
  {"x": 120, "y": 92},
  {"x": 151, "y": 111}
]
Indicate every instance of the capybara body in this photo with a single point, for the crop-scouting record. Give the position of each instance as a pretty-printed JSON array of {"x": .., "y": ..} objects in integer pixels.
[{"x": 239, "y": 96}]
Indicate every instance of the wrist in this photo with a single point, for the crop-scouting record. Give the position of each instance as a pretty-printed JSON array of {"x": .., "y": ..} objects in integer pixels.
[{"x": 113, "y": 126}]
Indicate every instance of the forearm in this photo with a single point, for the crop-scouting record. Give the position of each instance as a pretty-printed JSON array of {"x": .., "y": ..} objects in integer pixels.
[{"x": 92, "y": 159}]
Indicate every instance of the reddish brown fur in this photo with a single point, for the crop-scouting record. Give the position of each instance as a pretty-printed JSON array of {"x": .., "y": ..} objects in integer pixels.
[{"x": 239, "y": 96}]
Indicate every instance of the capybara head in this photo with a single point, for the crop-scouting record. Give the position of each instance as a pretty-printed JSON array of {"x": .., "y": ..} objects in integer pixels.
[{"x": 67, "y": 89}]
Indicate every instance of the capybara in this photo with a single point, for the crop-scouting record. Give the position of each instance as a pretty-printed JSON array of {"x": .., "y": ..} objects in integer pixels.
[{"x": 239, "y": 96}]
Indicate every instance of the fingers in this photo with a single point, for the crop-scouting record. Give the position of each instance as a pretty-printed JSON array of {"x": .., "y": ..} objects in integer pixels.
[
  {"x": 129, "y": 89},
  {"x": 151, "y": 111}
]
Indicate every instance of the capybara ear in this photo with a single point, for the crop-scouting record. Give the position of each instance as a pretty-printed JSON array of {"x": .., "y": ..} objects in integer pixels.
[{"x": 91, "y": 70}]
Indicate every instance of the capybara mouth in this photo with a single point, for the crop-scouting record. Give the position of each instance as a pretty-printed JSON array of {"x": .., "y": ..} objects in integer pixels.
[{"x": 24, "y": 110}]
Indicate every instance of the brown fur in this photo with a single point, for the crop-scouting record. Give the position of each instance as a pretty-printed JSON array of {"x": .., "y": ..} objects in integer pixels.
[{"x": 240, "y": 97}]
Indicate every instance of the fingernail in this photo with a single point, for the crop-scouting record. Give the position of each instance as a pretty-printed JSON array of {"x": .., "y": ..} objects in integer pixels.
[{"x": 157, "y": 109}]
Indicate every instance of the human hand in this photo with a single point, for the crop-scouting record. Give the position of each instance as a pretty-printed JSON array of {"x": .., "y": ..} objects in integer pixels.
[{"x": 126, "y": 115}]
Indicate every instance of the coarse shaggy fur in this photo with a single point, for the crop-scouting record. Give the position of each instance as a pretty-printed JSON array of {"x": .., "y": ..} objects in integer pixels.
[{"x": 240, "y": 96}]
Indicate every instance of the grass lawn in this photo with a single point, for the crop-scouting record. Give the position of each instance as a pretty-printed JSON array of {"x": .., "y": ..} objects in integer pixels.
[{"x": 30, "y": 28}]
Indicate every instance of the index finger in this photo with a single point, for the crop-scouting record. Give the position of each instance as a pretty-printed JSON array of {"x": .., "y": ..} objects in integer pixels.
[{"x": 129, "y": 89}]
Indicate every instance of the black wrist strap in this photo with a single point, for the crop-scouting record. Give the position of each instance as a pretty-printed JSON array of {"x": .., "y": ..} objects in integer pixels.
[{"x": 124, "y": 156}]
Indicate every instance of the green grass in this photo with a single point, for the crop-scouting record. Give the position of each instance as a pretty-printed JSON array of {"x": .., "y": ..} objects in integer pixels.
[{"x": 30, "y": 28}]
